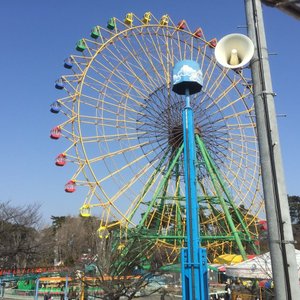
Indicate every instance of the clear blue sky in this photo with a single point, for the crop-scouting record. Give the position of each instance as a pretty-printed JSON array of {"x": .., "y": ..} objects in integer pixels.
[{"x": 36, "y": 36}]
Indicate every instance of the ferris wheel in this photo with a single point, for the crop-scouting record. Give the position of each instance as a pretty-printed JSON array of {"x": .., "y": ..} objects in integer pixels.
[{"x": 123, "y": 129}]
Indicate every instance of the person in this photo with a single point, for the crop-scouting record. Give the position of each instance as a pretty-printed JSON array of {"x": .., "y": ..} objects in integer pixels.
[
  {"x": 228, "y": 291},
  {"x": 163, "y": 294},
  {"x": 62, "y": 294},
  {"x": 2, "y": 287}
]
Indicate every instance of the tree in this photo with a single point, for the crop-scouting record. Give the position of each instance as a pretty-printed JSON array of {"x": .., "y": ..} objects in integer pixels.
[
  {"x": 19, "y": 235},
  {"x": 116, "y": 269},
  {"x": 294, "y": 203},
  {"x": 74, "y": 237}
]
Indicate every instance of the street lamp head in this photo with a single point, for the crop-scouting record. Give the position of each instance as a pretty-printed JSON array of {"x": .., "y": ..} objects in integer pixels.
[{"x": 187, "y": 76}]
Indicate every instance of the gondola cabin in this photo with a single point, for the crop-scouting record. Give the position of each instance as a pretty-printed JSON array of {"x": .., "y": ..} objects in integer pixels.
[
  {"x": 55, "y": 133},
  {"x": 147, "y": 17},
  {"x": 55, "y": 107},
  {"x": 164, "y": 20},
  {"x": 68, "y": 63},
  {"x": 103, "y": 232},
  {"x": 59, "y": 84},
  {"x": 95, "y": 33},
  {"x": 60, "y": 160},
  {"x": 129, "y": 19},
  {"x": 198, "y": 33},
  {"x": 263, "y": 225},
  {"x": 111, "y": 24},
  {"x": 70, "y": 186},
  {"x": 181, "y": 25},
  {"x": 81, "y": 45},
  {"x": 85, "y": 210},
  {"x": 212, "y": 43}
]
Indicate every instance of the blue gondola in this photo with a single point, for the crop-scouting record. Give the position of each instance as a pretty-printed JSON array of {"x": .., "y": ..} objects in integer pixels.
[
  {"x": 59, "y": 84},
  {"x": 68, "y": 64},
  {"x": 55, "y": 108}
]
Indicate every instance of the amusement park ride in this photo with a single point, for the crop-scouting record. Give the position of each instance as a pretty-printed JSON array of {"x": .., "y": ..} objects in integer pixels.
[
  {"x": 127, "y": 140},
  {"x": 121, "y": 121},
  {"x": 124, "y": 128}
]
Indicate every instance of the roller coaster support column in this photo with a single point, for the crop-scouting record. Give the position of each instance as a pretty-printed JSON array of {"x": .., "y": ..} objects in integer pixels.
[{"x": 187, "y": 80}]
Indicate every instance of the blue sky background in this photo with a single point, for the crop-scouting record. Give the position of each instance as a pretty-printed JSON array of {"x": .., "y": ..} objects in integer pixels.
[{"x": 36, "y": 37}]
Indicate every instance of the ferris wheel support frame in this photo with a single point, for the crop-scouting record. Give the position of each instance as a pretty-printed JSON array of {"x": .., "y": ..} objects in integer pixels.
[
  {"x": 216, "y": 184},
  {"x": 220, "y": 188},
  {"x": 281, "y": 241},
  {"x": 187, "y": 80},
  {"x": 193, "y": 258}
]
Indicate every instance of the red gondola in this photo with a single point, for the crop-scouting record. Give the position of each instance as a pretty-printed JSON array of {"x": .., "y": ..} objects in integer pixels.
[
  {"x": 55, "y": 133},
  {"x": 212, "y": 43},
  {"x": 198, "y": 33},
  {"x": 263, "y": 225},
  {"x": 70, "y": 187},
  {"x": 60, "y": 160},
  {"x": 181, "y": 24}
]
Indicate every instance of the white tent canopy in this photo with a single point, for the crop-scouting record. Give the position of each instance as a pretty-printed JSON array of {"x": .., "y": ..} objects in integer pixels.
[{"x": 258, "y": 267}]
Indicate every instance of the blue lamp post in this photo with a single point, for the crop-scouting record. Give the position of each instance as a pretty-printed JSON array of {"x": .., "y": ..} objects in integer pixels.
[{"x": 188, "y": 80}]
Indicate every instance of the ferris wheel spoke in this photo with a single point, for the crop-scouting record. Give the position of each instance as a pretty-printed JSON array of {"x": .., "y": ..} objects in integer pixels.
[
  {"x": 118, "y": 152},
  {"x": 121, "y": 169},
  {"x": 223, "y": 95},
  {"x": 107, "y": 106},
  {"x": 231, "y": 106},
  {"x": 118, "y": 92},
  {"x": 152, "y": 179},
  {"x": 126, "y": 186},
  {"x": 158, "y": 56},
  {"x": 95, "y": 83},
  {"x": 208, "y": 74},
  {"x": 243, "y": 126},
  {"x": 108, "y": 121},
  {"x": 233, "y": 173},
  {"x": 123, "y": 75},
  {"x": 135, "y": 66},
  {"x": 146, "y": 58},
  {"x": 214, "y": 83},
  {"x": 237, "y": 114},
  {"x": 111, "y": 138}
]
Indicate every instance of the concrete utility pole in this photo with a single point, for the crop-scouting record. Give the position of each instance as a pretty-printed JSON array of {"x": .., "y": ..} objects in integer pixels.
[{"x": 281, "y": 241}]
